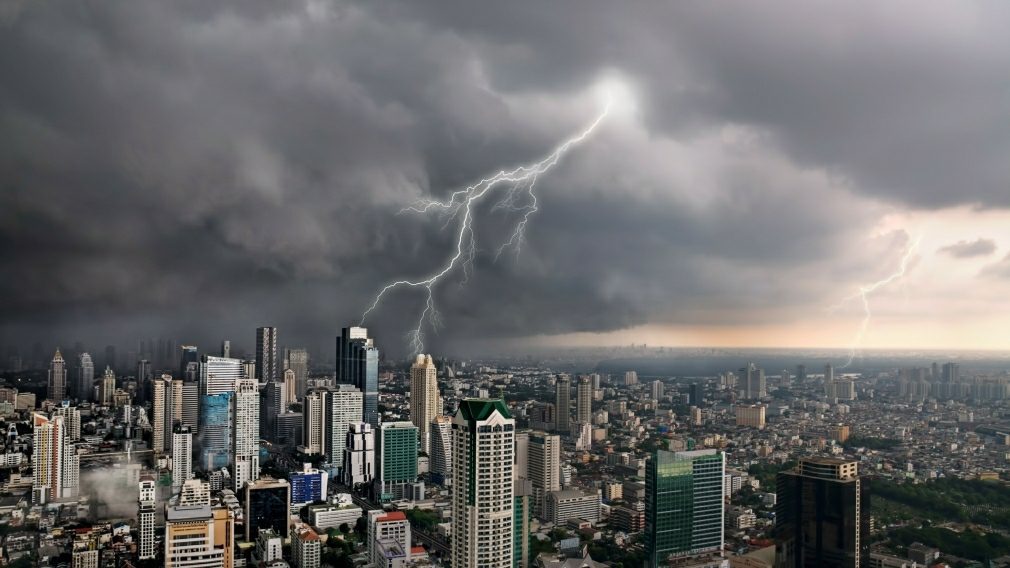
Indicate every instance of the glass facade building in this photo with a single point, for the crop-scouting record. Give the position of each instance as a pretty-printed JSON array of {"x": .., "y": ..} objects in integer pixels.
[
  {"x": 215, "y": 430},
  {"x": 358, "y": 365},
  {"x": 684, "y": 511},
  {"x": 397, "y": 452}
]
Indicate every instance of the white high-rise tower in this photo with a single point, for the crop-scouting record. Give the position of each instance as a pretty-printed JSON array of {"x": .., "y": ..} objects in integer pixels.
[
  {"x": 424, "y": 397},
  {"x": 246, "y": 432}
]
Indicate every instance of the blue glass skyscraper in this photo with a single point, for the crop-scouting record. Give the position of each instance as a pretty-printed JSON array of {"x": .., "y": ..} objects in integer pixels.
[{"x": 215, "y": 430}]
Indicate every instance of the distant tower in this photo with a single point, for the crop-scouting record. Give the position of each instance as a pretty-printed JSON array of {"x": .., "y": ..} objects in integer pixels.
[
  {"x": 55, "y": 464},
  {"x": 245, "y": 434},
  {"x": 752, "y": 381},
  {"x": 544, "y": 467},
  {"x": 57, "y": 378},
  {"x": 562, "y": 403},
  {"x": 358, "y": 365},
  {"x": 482, "y": 498},
  {"x": 107, "y": 387},
  {"x": 146, "y": 511},
  {"x": 182, "y": 456},
  {"x": 266, "y": 354},
  {"x": 226, "y": 349},
  {"x": 290, "y": 388},
  {"x": 314, "y": 422},
  {"x": 424, "y": 397},
  {"x": 584, "y": 400},
  {"x": 298, "y": 361},
  {"x": 85, "y": 377},
  {"x": 161, "y": 414}
]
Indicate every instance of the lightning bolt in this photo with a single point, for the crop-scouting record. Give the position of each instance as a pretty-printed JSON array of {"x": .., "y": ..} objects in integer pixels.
[
  {"x": 517, "y": 195},
  {"x": 864, "y": 296}
]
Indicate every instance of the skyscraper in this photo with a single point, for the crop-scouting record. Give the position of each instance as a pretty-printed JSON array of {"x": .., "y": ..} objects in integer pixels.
[
  {"x": 342, "y": 407},
  {"x": 272, "y": 403},
  {"x": 57, "y": 378},
  {"x": 290, "y": 388},
  {"x": 822, "y": 514},
  {"x": 396, "y": 451},
  {"x": 298, "y": 361},
  {"x": 314, "y": 423},
  {"x": 656, "y": 390},
  {"x": 562, "y": 404},
  {"x": 161, "y": 413},
  {"x": 440, "y": 456},
  {"x": 544, "y": 463},
  {"x": 245, "y": 434},
  {"x": 424, "y": 397},
  {"x": 359, "y": 455},
  {"x": 189, "y": 357},
  {"x": 146, "y": 511},
  {"x": 182, "y": 455},
  {"x": 219, "y": 374},
  {"x": 482, "y": 498},
  {"x": 684, "y": 510},
  {"x": 106, "y": 387},
  {"x": 216, "y": 421},
  {"x": 584, "y": 400},
  {"x": 197, "y": 534},
  {"x": 55, "y": 464},
  {"x": 266, "y": 354},
  {"x": 752, "y": 382},
  {"x": 85, "y": 377},
  {"x": 358, "y": 365}
]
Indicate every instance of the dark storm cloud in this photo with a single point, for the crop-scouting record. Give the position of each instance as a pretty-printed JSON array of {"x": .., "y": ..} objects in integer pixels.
[
  {"x": 970, "y": 249},
  {"x": 200, "y": 168}
]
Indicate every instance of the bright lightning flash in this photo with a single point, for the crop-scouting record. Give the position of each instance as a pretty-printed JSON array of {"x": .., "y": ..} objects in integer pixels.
[
  {"x": 516, "y": 190},
  {"x": 864, "y": 294}
]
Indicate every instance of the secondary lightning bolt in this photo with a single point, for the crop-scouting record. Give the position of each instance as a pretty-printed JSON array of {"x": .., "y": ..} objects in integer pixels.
[
  {"x": 864, "y": 295},
  {"x": 518, "y": 196}
]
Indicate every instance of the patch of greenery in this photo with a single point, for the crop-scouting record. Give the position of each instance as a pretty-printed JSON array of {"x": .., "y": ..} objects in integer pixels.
[
  {"x": 872, "y": 443},
  {"x": 967, "y": 544}
]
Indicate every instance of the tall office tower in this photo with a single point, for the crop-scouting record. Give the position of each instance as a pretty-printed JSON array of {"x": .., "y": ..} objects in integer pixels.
[
  {"x": 85, "y": 377},
  {"x": 189, "y": 354},
  {"x": 483, "y": 436},
  {"x": 440, "y": 456},
  {"x": 314, "y": 423},
  {"x": 57, "y": 378},
  {"x": 935, "y": 370},
  {"x": 215, "y": 437},
  {"x": 71, "y": 420},
  {"x": 951, "y": 372},
  {"x": 55, "y": 464},
  {"x": 801, "y": 374},
  {"x": 343, "y": 406},
  {"x": 290, "y": 382},
  {"x": 245, "y": 435},
  {"x": 161, "y": 414},
  {"x": 190, "y": 409},
  {"x": 266, "y": 354},
  {"x": 829, "y": 373},
  {"x": 359, "y": 455},
  {"x": 272, "y": 403},
  {"x": 562, "y": 404},
  {"x": 424, "y": 399},
  {"x": 822, "y": 514},
  {"x": 110, "y": 356},
  {"x": 630, "y": 378},
  {"x": 656, "y": 390},
  {"x": 695, "y": 393},
  {"x": 358, "y": 365},
  {"x": 219, "y": 374},
  {"x": 306, "y": 548},
  {"x": 226, "y": 349},
  {"x": 752, "y": 383},
  {"x": 684, "y": 507},
  {"x": 145, "y": 371},
  {"x": 197, "y": 534},
  {"x": 146, "y": 511},
  {"x": 544, "y": 457},
  {"x": 267, "y": 506},
  {"x": 107, "y": 387},
  {"x": 584, "y": 400},
  {"x": 388, "y": 538},
  {"x": 298, "y": 361},
  {"x": 396, "y": 451},
  {"x": 182, "y": 456},
  {"x": 288, "y": 431}
]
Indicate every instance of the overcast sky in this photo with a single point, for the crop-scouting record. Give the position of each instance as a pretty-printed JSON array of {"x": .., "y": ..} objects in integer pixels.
[{"x": 195, "y": 169}]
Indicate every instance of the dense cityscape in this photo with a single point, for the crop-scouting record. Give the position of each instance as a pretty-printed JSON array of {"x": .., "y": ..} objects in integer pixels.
[{"x": 176, "y": 455}]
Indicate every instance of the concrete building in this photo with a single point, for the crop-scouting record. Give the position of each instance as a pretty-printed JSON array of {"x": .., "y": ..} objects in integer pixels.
[
  {"x": 425, "y": 401},
  {"x": 306, "y": 549},
  {"x": 544, "y": 455},
  {"x": 751, "y": 416},
  {"x": 245, "y": 434},
  {"x": 561, "y": 506},
  {"x": 146, "y": 511},
  {"x": 386, "y": 529}
]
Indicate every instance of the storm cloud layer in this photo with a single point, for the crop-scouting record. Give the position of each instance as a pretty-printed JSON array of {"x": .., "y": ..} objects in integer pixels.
[{"x": 200, "y": 168}]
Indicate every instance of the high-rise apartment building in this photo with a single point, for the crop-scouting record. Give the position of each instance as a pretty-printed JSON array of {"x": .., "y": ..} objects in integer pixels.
[
  {"x": 584, "y": 400},
  {"x": 750, "y": 415},
  {"x": 182, "y": 456},
  {"x": 245, "y": 434},
  {"x": 55, "y": 464},
  {"x": 396, "y": 451},
  {"x": 656, "y": 390},
  {"x": 197, "y": 534},
  {"x": 630, "y": 378},
  {"x": 562, "y": 404},
  {"x": 752, "y": 382},
  {"x": 297, "y": 360},
  {"x": 822, "y": 514},
  {"x": 314, "y": 423},
  {"x": 482, "y": 498},
  {"x": 440, "y": 454},
  {"x": 684, "y": 507},
  {"x": 359, "y": 455},
  {"x": 343, "y": 406},
  {"x": 71, "y": 420},
  {"x": 57, "y": 387},
  {"x": 85, "y": 377},
  {"x": 161, "y": 413},
  {"x": 266, "y": 354},
  {"x": 544, "y": 463},
  {"x": 106, "y": 387},
  {"x": 425, "y": 401},
  {"x": 358, "y": 365},
  {"x": 146, "y": 512}
]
